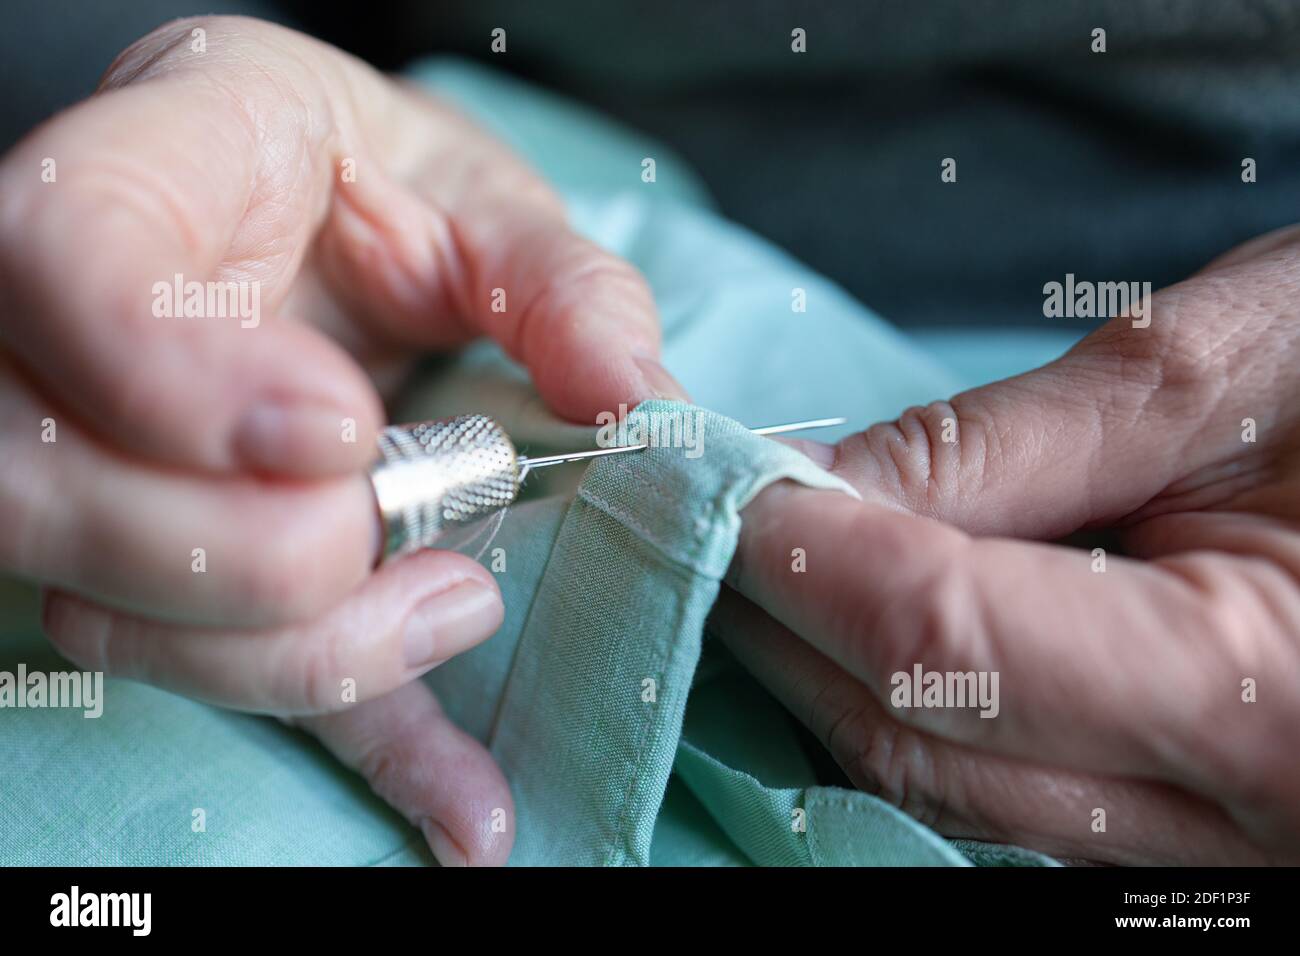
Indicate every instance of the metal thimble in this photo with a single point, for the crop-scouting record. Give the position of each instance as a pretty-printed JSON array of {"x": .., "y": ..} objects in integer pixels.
[{"x": 434, "y": 474}]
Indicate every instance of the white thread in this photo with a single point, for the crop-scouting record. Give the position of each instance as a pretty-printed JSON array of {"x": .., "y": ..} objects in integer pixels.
[{"x": 500, "y": 516}]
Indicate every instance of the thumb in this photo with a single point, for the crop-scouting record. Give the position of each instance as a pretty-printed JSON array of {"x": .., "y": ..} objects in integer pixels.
[{"x": 1129, "y": 414}]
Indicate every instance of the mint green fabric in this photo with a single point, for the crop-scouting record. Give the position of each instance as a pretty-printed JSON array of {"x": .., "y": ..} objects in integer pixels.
[
  {"x": 608, "y": 576},
  {"x": 589, "y": 725}
]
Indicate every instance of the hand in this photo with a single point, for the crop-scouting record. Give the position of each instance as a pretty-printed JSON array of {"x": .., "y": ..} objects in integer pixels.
[
  {"x": 1164, "y": 689},
  {"x": 367, "y": 224}
]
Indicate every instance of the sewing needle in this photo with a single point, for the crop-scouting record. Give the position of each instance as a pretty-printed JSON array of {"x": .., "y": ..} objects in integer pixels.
[{"x": 545, "y": 460}]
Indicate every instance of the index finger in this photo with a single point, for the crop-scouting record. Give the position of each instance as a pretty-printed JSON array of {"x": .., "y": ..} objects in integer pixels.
[
  {"x": 100, "y": 260},
  {"x": 480, "y": 245},
  {"x": 1112, "y": 671}
]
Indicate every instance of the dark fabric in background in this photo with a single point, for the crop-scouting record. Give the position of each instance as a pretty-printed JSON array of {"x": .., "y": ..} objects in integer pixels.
[{"x": 1123, "y": 166}]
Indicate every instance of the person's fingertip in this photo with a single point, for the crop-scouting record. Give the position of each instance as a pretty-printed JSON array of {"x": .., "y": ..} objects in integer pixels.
[
  {"x": 431, "y": 772},
  {"x": 449, "y": 622},
  {"x": 658, "y": 382},
  {"x": 447, "y": 851},
  {"x": 302, "y": 438},
  {"x": 490, "y": 837}
]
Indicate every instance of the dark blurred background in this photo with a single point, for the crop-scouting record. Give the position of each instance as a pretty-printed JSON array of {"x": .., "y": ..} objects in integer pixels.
[{"x": 1122, "y": 166}]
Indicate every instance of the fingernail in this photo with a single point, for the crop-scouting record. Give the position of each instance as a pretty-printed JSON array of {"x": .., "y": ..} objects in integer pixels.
[
  {"x": 819, "y": 452},
  {"x": 446, "y": 849},
  {"x": 659, "y": 382},
  {"x": 449, "y": 622},
  {"x": 292, "y": 437}
]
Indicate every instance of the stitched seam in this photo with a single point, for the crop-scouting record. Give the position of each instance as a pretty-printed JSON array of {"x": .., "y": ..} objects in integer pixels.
[
  {"x": 622, "y": 516},
  {"x": 731, "y": 478},
  {"x": 647, "y": 484},
  {"x": 841, "y": 803},
  {"x": 663, "y": 656},
  {"x": 645, "y": 481}
]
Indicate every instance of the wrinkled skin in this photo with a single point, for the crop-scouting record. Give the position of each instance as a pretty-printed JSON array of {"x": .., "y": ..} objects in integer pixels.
[
  {"x": 1120, "y": 690},
  {"x": 378, "y": 224}
]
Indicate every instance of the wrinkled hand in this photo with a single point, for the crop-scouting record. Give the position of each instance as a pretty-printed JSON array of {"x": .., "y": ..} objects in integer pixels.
[
  {"x": 1163, "y": 690},
  {"x": 375, "y": 224}
]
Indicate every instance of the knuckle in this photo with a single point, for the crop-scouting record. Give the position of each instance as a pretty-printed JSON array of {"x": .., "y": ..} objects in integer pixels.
[
  {"x": 382, "y": 765},
  {"x": 1173, "y": 358},
  {"x": 1235, "y": 635},
  {"x": 147, "y": 55},
  {"x": 593, "y": 269},
  {"x": 905, "y": 459},
  {"x": 893, "y": 762},
  {"x": 565, "y": 297},
  {"x": 932, "y": 621},
  {"x": 500, "y": 174},
  {"x": 248, "y": 69},
  {"x": 319, "y": 676},
  {"x": 161, "y": 48},
  {"x": 122, "y": 188},
  {"x": 921, "y": 453}
]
